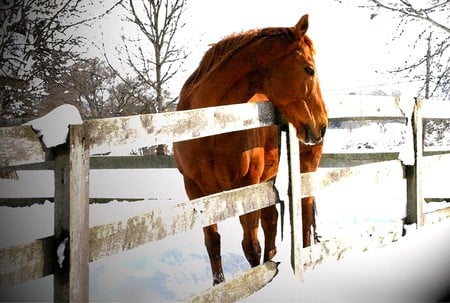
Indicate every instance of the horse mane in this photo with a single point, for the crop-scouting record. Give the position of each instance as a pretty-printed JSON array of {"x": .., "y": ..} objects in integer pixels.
[{"x": 222, "y": 51}]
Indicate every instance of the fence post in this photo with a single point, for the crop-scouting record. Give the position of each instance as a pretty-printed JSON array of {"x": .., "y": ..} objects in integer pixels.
[
  {"x": 71, "y": 274},
  {"x": 295, "y": 201},
  {"x": 414, "y": 202}
]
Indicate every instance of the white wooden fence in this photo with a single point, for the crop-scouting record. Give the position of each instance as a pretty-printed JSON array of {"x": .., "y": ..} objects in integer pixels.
[{"x": 89, "y": 144}]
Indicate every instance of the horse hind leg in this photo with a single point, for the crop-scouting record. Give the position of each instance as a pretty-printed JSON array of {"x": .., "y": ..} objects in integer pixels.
[
  {"x": 250, "y": 242},
  {"x": 212, "y": 242},
  {"x": 269, "y": 219}
]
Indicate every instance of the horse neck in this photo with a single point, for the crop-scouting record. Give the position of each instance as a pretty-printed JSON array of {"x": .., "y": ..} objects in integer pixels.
[{"x": 239, "y": 78}]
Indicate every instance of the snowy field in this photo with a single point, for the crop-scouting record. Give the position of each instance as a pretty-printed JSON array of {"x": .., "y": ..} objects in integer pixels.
[{"x": 414, "y": 269}]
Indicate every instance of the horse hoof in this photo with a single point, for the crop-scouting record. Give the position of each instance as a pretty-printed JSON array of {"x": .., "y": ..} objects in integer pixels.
[
  {"x": 270, "y": 254},
  {"x": 253, "y": 262},
  {"x": 253, "y": 259},
  {"x": 218, "y": 278}
]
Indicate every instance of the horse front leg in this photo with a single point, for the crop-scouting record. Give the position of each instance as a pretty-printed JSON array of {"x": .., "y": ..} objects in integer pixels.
[
  {"x": 250, "y": 242},
  {"x": 309, "y": 161},
  {"x": 269, "y": 218},
  {"x": 212, "y": 242},
  {"x": 308, "y": 220}
]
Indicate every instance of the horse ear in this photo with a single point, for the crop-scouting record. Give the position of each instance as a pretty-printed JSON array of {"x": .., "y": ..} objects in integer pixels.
[{"x": 301, "y": 27}]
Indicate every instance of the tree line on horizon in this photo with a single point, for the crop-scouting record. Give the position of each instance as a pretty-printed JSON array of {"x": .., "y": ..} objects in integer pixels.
[{"x": 45, "y": 63}]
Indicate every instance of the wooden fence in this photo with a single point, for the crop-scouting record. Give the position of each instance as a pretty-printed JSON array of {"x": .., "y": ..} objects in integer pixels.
[{"x": 88, "y": 143}]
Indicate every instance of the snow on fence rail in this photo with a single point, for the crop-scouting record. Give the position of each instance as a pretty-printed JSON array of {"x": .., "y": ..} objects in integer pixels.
[{"x": 71, "y": 162}]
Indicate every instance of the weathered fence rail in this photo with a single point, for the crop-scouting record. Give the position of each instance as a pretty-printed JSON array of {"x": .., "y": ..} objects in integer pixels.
[
  {"x": 71, "y": 174},
  {"x": 89, "y": 144},
  {"x": 111, "y": 238},
  {"x": 145, "y": 130}
]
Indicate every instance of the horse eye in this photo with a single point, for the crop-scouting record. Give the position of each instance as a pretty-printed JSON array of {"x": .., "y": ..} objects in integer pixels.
[{"x": 309, "y": 70}]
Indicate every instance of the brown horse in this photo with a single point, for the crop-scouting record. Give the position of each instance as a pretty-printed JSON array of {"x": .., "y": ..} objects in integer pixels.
[{"x": 275, "y": 64}]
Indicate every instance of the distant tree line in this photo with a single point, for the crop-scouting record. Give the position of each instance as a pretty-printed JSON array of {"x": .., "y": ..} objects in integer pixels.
[{"x": 44, "y": 62}]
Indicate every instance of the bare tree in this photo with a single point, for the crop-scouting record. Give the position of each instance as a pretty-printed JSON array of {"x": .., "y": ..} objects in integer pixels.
[
  {"x": 38, "y": 39},
  {"x": 94, "y": 88},
  {"x": 84, "y": 84},
  {"x": 130, "y": 97},
  {"x": 154, "y": 55},
  {"x": 29, "y": 43},
  {"x": 428, "y": 23}
]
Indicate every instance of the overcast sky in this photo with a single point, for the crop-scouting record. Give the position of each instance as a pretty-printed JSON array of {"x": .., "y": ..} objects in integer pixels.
[{"x": 353, "y": 50}]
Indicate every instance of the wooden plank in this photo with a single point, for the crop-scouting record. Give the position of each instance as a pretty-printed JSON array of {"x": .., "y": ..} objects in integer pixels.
[
  {"x": 373, "y": 174},
  {"x": 108, "y": 239},
  {"x": 344, "y": 159},
  {"x": 71, "y": 276},
  {"x": 414, "y": 204},
  {"x": 366, "y": 117},
  {"x": 134, "y": 132},
  {"x": 295, "y": 202},
  {"x": 163, "y": 161},
  {"x": 365, "y": 107},
  {"x": 47, "y": 165},
  {"x": 436, "y": 150},
  {"x": 241, "y": 286},
  {"x": 434, "y": 176},
  {"x": 23, "y": 202},
  {"x": 432, "y": 109},
  {"x": 373, "y": 237},
  {"x": 20, "y": 145},
  {"x": 26, "y": 262},
  {"x": 436, "y": 216}
]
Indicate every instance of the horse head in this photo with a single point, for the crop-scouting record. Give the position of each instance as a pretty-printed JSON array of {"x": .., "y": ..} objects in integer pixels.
[{"x": 292, "y": 85}]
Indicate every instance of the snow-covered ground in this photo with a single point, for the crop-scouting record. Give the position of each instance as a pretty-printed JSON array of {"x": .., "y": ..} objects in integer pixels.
[{"x": 416, "y": 268}]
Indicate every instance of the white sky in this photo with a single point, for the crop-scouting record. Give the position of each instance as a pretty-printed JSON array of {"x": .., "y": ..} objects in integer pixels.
[
  {"x": 345, "y": 44},
  {"x": 351, "y": 47}
]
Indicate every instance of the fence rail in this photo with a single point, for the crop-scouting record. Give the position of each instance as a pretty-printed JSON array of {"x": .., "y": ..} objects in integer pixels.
[
  {"x": 119, "y": 236},
  {"x": 153, "y": 129},
  {"x": 91, "y": 145}
]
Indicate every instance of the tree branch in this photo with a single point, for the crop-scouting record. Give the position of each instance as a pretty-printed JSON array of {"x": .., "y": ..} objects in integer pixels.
[{"x": 408, "y": 10}]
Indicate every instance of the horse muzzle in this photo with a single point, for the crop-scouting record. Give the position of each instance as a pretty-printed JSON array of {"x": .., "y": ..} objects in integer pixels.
[{"x": 312, "y": 137}]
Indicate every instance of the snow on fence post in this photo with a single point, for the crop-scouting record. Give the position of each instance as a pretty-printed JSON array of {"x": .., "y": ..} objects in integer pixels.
[
  {"x": 295, "y": 203},
  {"x": 414, "y": 202},
  {"x": 71, "y": 230}
]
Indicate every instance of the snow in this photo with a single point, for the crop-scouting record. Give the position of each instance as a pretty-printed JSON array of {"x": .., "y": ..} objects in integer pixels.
[
  {"x": 54, "y": 126},
  {"x": 407, "y": 153},
  {"x": 177, "y": 267},
  {"x": 60, "y": 251},
  {"x": 415, "y": 268}
]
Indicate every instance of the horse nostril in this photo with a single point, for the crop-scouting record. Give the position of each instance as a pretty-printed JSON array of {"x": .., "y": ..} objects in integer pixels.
[
  {"x": 323, "y": 130},
  {"x": 311, "y": 137},
  {"x": 308, "y": 133}
]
